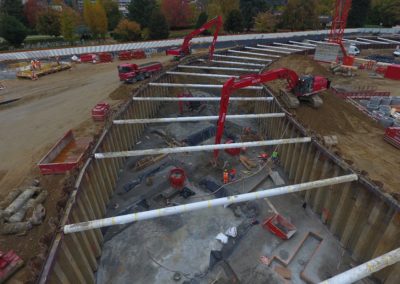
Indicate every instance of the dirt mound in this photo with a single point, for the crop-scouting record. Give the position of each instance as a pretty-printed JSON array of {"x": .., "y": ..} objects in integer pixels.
[{"x": 360, "y": 138}]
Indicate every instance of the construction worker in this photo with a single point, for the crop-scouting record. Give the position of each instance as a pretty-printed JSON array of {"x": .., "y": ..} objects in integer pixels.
[
  {"x": 226, "y": 176},
  {"x": 274, "y": 156}
]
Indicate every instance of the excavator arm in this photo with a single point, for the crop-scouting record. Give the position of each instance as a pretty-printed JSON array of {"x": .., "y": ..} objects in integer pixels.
[{"x": 185, "y": 48}]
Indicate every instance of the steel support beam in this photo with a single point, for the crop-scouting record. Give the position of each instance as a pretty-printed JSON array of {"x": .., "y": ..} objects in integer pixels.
[
  {"x": 356, "y": 41},
  {"x": 225, "y": 76},
  {"x": 372, "y": 41},
  {"x": 366, "y": 269},
  {"x": 212, "y": 147},
  {"x": 253, "y": 53},
  {"x": 152, "y": 214},
  {"x": 200, "y": 86},
  {"x": 218, "y": 68},
  {"x": 200, "y": 99},
  {"x": 389, "y": 40},
  {"x": 279, "y": 47},
  {"x": 302, "y": 43},
  {"x": 234, "y": 63},
  {"x": 198, "y": 118},
  {"x": 294, "y": 45},
  {"x": 267, "y": 50},
  {"x": 242, "y": 57}
]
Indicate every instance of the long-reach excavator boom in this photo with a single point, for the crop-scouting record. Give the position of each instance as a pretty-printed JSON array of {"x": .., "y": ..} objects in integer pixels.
[
  {"x": 184, "y": 50},
  {"x": 301, "y": 87}
]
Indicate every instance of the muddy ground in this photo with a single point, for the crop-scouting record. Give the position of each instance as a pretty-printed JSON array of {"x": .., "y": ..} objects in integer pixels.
[
  {"x": 360, "y": 138},
  {"x": 29, "y": 127}
]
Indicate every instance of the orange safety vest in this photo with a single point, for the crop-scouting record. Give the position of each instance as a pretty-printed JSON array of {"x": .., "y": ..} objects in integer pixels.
[{"x": 226, "y": 177}]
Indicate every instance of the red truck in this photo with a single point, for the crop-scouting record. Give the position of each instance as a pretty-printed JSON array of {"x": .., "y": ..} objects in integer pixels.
[{"x": 131, "y": 73}]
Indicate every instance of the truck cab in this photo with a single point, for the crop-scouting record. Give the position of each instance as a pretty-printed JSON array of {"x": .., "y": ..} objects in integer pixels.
[
  {"x": 127, "y": 71},
  {"x": 353, "y": 50}
]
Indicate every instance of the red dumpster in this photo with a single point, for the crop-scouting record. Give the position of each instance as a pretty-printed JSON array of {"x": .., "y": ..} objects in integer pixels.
[
  {"x": 105, "y": 57},
  {"x": 138, "y": 54},
  {"x": 280, "y": 227},
  {"x": 89, "y": 57},
  {"x": 125, "y": 55},
  {"x": 100, "y": 111}
]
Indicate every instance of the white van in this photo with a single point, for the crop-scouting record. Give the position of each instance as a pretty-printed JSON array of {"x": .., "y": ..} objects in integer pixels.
[{"x": 353, "y": 50}]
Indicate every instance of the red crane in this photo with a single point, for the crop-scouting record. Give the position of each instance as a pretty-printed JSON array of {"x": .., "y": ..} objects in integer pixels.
[
  {"x": 304, "y": 87},
  {"x": 184, "y": 50},
  {"x": 339, "y": 22}
]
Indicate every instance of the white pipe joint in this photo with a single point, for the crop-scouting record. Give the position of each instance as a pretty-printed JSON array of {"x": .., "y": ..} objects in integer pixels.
[{"x": 151, "y": 214}]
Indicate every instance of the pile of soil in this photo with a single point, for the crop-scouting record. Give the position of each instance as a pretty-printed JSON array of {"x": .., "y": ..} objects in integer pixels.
[{"x": 360, "y": 138}]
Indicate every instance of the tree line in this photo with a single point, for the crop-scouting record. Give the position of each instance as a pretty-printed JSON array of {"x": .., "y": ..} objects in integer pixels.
[{"x": 154, "y": 19}]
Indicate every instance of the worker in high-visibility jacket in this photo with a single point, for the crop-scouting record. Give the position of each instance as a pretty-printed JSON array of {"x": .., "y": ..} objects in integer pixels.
[
  {"x": 226, "y": 176},
  {"x": 274, "y": 156}
]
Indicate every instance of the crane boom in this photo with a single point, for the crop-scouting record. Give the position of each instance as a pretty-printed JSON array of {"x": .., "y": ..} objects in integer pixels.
[
  {"x": 185, "y": 47},
  {"x": 301, "y": 87}
]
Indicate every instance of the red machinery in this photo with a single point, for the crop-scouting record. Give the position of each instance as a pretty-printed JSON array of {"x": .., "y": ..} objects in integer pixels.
[
  {"x": 184, "y": 50},
  {"x": 100, "y": 111},
  {"x": 131, "y": 73},
  {"x": 279, "y": 226},
  {"x": 177, "y": 178},
  {"x": 339, "y": 23},
  {"x": 392, "y": 135},
  {"x": 128, "y": 55},
  {"x": 299, "y": 88}
]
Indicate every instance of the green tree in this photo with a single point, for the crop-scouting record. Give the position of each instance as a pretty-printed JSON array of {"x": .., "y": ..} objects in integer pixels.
[
  {"x": 69, "y": 20},
  {"x": 95, "y": 18},
  {"x": 48, "y": 23},
  {"x": 358, "y": 13},
  {"x": 201, "y": 20},
  {"x": 158, "y": 26},
  {"x": 250, "y": 9},
  {"x": 265, "y": 22},
  {"x": 12, "y": 8},
  {"x": 300, "y": 15},
  {"x": 113, "y": 14},
  {"x": 385, "y": 12},
  {"x": 221, "y": 8},
  {"x": 234, "y": 22},
  {"x": 12, "y": 30},
  {"x": 127, "y": 31},
  {"x": 141, "y": 11}
]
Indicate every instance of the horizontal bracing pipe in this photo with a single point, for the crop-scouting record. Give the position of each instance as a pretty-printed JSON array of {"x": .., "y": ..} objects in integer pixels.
[
  {"x": 389, "y": 40},
  {"x": 253, "y": 53},
  {"x": 211, "y": 147},
  {"x": 218, "y": 68},
  {"x": 372, "y": 41},
  {"x": 200, "y": 99},
  {"x": 279, "y": 47},
  {"x": 366, "y": 269},
  {"x": 242, "y": 57},
  {"x": 199, "y": 86},
  {"x": 236, "y": 63},
  {"x": 198, "y": 118},
  {"x": 356, "y": 41},
  {"x": 225, "y": 76},
  {"x": 303, "y": 43},
  {"x": 152, "y": 214},
  {"x": 294, "y": 45},
  {"x": 267, "y": 50}
]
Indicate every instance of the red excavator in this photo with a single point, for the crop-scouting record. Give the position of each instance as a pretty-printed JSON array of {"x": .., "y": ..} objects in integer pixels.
[
  {"x": 184, "y": 50},
  {"x": 299, "y": 88}
]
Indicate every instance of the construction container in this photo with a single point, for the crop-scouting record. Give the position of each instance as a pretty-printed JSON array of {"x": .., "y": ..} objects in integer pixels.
[
  {"x": 105, "y": 57},
  {"x": 86, "y": 58},
  {"x": 279, "y": 226},
  {"x": 66, "y": 155},
  {"x": 100, "y": 111},
  {"x": 393, "y": 72}
]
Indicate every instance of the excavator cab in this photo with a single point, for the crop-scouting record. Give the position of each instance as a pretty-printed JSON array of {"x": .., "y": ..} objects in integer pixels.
[{"x": 305, "y": 85}]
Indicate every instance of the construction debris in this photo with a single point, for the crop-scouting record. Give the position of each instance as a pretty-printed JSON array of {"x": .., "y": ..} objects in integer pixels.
[
  {"x": 286, "y": 273},
  {"x": 247, "y": 163},
  {"x": 10, "y": 262}
]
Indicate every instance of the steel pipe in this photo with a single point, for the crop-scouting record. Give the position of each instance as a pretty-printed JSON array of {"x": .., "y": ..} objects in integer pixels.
[
  {"x": 242, "y": 57},
  {"x": 218, "y": 68},
  {"x": 152, "y": 214},
  {"x": 302, "y": 43},
  {"x": 389, "y": 40},
  {"x": 253, "y": 53},
  {"x": 366, "y": 269},
  {"x": 225, "y": 76},
  {"x": 211, "y": 147},
  {"x": 356, "y": 41},
  {"x": 279, "y": 47},
  {"x": 370, "y": 40},
  {"x": 294, "y": 45},
  {"x": 200, "y": 86},
  {"x": 198, "y": 118},
  {"x": 200, "y": 99},
  {"x": 266, "y": 49},
  {"x": 234, "y": 63}
]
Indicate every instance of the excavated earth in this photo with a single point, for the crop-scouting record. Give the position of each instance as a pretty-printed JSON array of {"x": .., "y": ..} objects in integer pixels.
[{"x": 360, "y": 138}]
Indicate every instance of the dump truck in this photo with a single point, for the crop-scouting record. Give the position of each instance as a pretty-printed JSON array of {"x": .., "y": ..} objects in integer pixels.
[{"x": 131, "y": 72}]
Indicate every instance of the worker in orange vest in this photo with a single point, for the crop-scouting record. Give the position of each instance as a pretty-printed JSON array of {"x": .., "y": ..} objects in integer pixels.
[{"x": 226, "y": 176}]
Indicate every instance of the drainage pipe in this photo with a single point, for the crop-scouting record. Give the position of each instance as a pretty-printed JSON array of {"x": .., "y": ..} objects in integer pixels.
[
  {"x": 242, "y": 57},
  {"x": 200, "y": 99},
  {"x": 197, "y": 118},
  {"x": 201, "y": 86},
  {"x": 151, "y": 214},
  {"x": 253, "y": 53},
  {"x": 211, "y": 147},
  {"x": 225, "y": 76},
  {"x": 218, "y": 68},
  {"x": 365, "y": 269}
]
